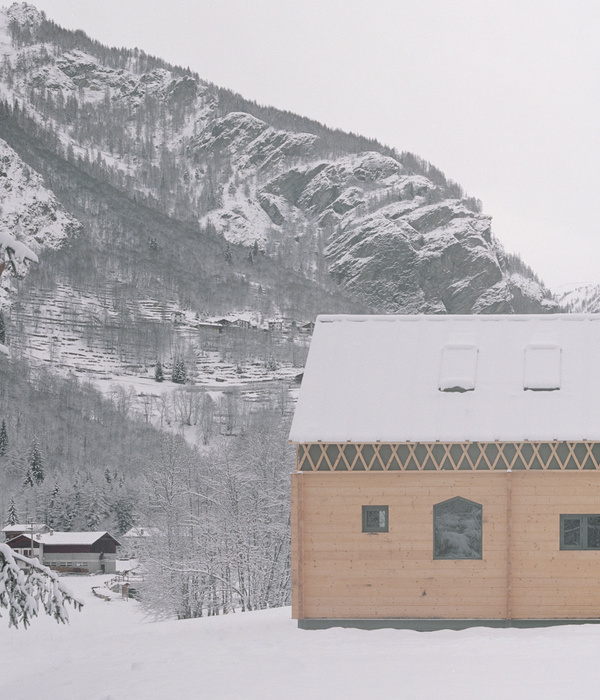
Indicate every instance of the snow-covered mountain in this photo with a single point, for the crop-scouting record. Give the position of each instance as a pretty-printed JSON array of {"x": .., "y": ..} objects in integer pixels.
[
  {"x": 246, "y": 197},
  {"x": 29, "y": 211},
  {"x": 579, "y": 298}
]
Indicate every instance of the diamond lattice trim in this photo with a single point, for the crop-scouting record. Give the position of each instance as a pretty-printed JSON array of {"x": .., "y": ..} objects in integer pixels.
[{"x": 444, "y": 456}]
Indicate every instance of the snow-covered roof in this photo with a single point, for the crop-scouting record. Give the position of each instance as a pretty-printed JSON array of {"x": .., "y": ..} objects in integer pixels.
[
  {"x": 64, "y": 538},
  {"x": 135, "y": 532},
  {"x": 24, "y": 527},
  {"x": 451, "y": 378}
]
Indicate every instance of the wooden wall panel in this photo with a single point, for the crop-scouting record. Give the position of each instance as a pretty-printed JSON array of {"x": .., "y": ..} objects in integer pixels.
[
  {"x": 340, "y": 572},
  {"x": 348, "y": 573},
  {"x": 548, "y": 582},
  {"x": 296, "y": 553}
]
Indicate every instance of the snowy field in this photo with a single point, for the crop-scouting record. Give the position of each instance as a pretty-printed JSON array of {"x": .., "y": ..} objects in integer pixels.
[{"x": 110, "y": 652}]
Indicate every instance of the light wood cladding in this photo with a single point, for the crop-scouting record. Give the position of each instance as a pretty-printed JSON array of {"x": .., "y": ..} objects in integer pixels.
[
  {"x": 546, "y": 581},
  {"x": 340, "y": 572}
]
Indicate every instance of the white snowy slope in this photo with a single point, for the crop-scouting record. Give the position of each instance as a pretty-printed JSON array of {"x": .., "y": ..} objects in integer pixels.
[
  {"x": 28, "y": 210},
  {"x": 31, "y": 218},
  {"x": 392, "y": 231},
  {"x": 579, "y": 298},
  {"x": 110, "y": 651}
]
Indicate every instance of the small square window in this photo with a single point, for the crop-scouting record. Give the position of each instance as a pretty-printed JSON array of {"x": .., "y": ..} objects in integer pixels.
[
  {"x": 375, "y": 518},
  {"x": 580, "y": 531}
]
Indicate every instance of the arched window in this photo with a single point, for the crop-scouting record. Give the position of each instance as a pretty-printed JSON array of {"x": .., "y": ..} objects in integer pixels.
[{"x": 457, "y": 530}]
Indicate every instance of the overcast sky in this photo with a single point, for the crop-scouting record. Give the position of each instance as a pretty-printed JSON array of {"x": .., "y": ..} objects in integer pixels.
[{"x": 501, "y": 95}]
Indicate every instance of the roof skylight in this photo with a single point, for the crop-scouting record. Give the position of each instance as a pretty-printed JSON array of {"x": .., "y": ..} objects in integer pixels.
[
  {"x": 542, "y": 367},
  {"x": 458, "y": 368}
]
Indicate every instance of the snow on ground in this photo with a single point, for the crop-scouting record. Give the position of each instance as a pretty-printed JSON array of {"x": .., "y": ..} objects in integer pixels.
[{"x": 111, "y": 652}]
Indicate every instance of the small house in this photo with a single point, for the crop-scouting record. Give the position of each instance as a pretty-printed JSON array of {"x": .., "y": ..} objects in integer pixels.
[
  {"x": 307, "y": 327},
  {"x": 137, "y": 538},
  {"x": 275, "y": 324},
  {"x": 11, "y": 531},
  {"x": 448, "y": 471},
  {"x": 242, "y": 323},
  {"x": 79, "y": 552}
]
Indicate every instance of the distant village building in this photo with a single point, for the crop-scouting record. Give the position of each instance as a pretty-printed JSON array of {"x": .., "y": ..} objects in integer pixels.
[
  {"x": 136, "y": 537},
  {"x": 307, "y": 327},
  {"x": 448, "y": 471},
  {"x": 78, "y": 552},
  {"x": 11, "y": 531}
]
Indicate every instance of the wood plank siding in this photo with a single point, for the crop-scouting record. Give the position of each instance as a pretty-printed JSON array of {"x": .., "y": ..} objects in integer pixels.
[{"x": 341, "y": 572}]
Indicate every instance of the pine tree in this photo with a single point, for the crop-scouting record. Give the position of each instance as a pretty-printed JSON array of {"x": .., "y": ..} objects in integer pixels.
[
  {"x": 28, "y": 587},
  {"x": 36, "y": 463},
  {"x": 122, "y": 508},
  {"x": 95, "y": 509},
  {"x": 67, "y": 516},
  {"x": 3, "y": 439},
  {"x": 28, "y": 480},
  {"x": 53, "y": 503},
  {"x": 179, "y": 373},
  {"x": 228, "y": 255},
  {"x": 12, "y": 516},
  {"x": 158, "y": 372}
]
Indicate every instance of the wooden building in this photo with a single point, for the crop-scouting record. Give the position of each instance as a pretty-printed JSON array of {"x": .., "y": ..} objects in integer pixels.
[
  {"x": 77, "y": 552},
  {"x": 448, "y": 471},
  {"x": 11, "y": 531}
]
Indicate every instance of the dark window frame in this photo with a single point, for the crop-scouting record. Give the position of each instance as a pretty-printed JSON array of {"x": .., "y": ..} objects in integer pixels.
[
  {"x": 371, "y": 509},
  {"x": 583, "y": 544},
  {"x": 436, "y": 544}
]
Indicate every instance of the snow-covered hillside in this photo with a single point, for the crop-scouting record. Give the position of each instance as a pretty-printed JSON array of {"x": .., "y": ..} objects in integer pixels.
[
  {"x": 579, "y": 298},
  {"x": 29, "y": 211},
  {"x": 110, "y": 650},
  {"x": 385, "y": 230}
]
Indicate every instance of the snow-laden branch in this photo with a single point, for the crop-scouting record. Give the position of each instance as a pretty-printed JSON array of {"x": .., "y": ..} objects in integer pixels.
[{"x": 25, "y": 584}]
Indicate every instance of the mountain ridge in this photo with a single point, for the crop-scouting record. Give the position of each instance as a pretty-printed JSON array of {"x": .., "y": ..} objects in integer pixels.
[{"x": 183, "y": 192}]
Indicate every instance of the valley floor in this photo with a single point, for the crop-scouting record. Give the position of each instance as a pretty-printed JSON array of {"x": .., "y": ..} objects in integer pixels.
[{"x": 111, "y": 652}]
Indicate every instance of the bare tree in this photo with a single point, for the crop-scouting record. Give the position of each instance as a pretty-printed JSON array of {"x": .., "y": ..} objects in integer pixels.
[
  {"x": 207, "y": 419},
  {"x": 224, "y": 519},
  {"x": 186, "y": 404}
]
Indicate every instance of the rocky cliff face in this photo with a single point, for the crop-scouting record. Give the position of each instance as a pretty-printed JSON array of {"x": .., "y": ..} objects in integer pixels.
[
  {"x": 360, "y": 225},
  {"x": 389, "y": 242},
  {"x": 29, "y": 211},
  {"x": 390, "y": 237}
]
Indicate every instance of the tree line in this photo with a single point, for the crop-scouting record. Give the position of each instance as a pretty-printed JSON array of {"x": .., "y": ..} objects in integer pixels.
[{"x": 221, "y": 524}]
